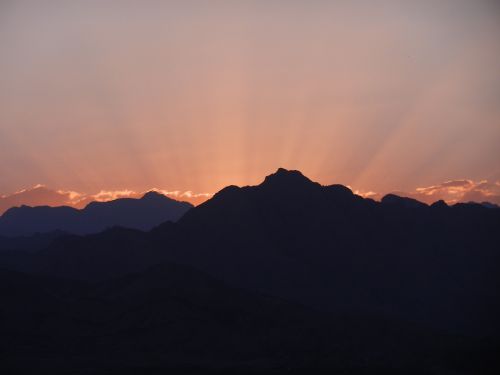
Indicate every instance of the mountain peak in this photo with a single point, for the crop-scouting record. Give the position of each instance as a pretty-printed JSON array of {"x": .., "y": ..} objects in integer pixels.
[
  {"x": 439, "y": 204},
  {"x": 287, "y": 172},
  {"x": 287, "y": 178},
  {"x": 153, "y": 195}
]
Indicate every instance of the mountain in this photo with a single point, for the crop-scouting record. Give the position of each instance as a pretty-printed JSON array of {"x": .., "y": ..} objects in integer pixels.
[
  {"x": 321, "y": 246},
  {"x": 328, "y": 248},
  {"x": 31, "y": 243},
  {"x": 490, "y": 205},
  {"x": 173, "y": 318},
  {"x": 144, "y": 213},
  {"x": 395, "y": 286}
]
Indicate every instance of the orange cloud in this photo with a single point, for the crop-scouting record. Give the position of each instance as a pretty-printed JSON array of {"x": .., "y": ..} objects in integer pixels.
[
  {"x": 39, "y": 195},
  {"x": 368, "y": 194},
  {"x": 460, "y": 191},
  {"x": 35, "y": 196},
  {"x": 109, "y": 195},
  {"x": 454, "y": 191},
  {"x": 194, "y": 198}
]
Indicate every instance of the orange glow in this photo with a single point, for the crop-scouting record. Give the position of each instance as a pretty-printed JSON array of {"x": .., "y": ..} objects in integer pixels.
[
  {"x": 450, "y": 191},
  {"x": 40, "y": 195},
  {"x": 96, "y": 96}
]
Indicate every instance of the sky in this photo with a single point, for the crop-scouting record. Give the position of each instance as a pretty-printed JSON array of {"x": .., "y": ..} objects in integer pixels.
[{"x": 191, "y": 96}]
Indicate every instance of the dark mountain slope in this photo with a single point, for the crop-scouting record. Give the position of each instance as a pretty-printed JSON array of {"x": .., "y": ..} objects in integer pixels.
[
  {"x": 109, "y": 254},
  {"x": 144, "y": 214},
  {"x": 321, "y": 246},
  {"x": 329, "y": 248},
  {"x": 30, "y": 243},
  {"x": 389, "y": 287},
  {"x": 174, "y": 318}
]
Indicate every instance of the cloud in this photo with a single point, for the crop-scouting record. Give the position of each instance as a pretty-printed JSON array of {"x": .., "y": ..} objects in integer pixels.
[
  {"x": 40, "y": 195},
  {"x": 460, "y": 191},
  {"x": 194, "y": 198},
  {"x": 109, "y": 195},
  {"x": 454, "y": 191},
  {"x": 368, "y": 194},
  {"x": 450, "y": 189},
  {"x": 73, "y": 196}
]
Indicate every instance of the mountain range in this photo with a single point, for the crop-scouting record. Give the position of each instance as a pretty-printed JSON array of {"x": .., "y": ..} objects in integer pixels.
[
  {"x": 288, "y": 276},
  {"x": 144, "y": 213}
]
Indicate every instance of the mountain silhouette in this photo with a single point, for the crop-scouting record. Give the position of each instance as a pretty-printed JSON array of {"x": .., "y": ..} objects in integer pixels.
[
  {"x": 31, "y": 243},
  {"x": 362, "y": 286},
  {"x": 321, "y": 246},
  {"x": 176, "y": 318},
  {"x": 144, "y": 213}
]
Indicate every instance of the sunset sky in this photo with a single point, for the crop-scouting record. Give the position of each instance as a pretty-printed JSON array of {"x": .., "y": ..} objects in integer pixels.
[{"x": 196, "y": 95}]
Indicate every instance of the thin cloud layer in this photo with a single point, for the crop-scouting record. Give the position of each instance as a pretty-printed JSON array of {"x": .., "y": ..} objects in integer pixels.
[
  {"x": 454, "y": 191},
  {"x": 460, "y": 191},
  {"x": 40, "y": 195},
  {"x": 36, "y": 196}
]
